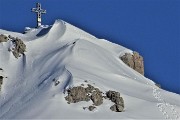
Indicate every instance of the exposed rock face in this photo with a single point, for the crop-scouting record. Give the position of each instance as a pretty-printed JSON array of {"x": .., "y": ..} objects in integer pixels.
[
  {"x": 3, "y": 38},
  {"x": 77, "y": 94},
  {"x": 89, "y": 89},
  {"x": 134, "y": 61},
  {"x": 20, "y": 47},
  {"x": 1, "y": 81},
  {"x": 115, "y": 97},
  {"x": 97, "y": 97}
]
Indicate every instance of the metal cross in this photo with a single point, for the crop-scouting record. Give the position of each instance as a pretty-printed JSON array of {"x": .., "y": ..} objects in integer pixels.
[{"x": 39, "y": 11}]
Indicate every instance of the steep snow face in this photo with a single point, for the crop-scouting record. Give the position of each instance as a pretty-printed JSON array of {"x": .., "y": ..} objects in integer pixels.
[{"x": 64, "y": 53}]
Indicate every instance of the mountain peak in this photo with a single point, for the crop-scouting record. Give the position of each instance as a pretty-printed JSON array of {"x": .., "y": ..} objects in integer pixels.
[{"x": 60, "y": 57}]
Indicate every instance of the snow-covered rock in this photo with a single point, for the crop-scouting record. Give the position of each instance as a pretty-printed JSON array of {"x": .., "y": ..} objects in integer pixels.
[{"x": 68, "y": 56}]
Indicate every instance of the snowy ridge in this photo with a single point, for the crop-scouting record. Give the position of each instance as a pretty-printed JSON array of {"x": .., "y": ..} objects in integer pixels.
[{"x": 64, "y": 55}]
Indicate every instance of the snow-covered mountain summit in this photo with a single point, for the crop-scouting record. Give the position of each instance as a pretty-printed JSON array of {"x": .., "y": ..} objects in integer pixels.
[{"x": 72, "y": 57}]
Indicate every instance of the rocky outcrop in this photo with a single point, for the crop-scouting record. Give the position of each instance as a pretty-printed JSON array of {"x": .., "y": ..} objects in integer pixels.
[
  {"x": 79, "y": 93},
  {"x": 119, "y": 102},
  {"x": 134, "y": 61},
  {"x": 19, "y": 48},
  {"x": 3, "y": 38},
  {"x": 97, "y": 97}
]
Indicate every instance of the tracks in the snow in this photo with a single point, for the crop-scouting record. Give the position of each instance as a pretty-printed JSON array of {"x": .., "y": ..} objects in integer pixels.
[{"x": 168, "y": 110}]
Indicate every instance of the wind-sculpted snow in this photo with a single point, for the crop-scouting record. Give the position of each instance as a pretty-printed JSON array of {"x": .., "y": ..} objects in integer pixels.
[{"x": 64, "y": 56}]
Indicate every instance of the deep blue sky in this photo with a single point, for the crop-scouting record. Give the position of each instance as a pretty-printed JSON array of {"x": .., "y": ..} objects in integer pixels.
[{"x": 151, "y": 27}]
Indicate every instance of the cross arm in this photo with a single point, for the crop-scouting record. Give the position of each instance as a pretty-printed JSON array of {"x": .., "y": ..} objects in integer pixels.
[
  {"x": 43, "y": 11},
  {"x": 34, "y": 10}
]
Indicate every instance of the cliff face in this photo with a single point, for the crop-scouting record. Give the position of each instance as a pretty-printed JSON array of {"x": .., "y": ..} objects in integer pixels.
[{"x": 134, "y": 61}]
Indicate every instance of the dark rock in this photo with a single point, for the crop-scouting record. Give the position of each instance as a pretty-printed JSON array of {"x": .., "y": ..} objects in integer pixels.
[
  {"x": 119, "y": 108},
  {"x": 113, "y": 108},
  {"x": 77, "y": 94},
  {"x": 116, "y": 108},
  {"x": 20, "y": 47},
  {"x": 97, "y": 98},
  {"x": 91, "y": 108},
  {"x": 89, "y": 89},
  {"x": 134, "y": 61},
  {"x": 128, "y": 59},
  {"x": 1, "y": 81},
  {"x": 84, "y": 108},
  {"x": 56, "y": 82},
  {"x": 115, "y": 97}
]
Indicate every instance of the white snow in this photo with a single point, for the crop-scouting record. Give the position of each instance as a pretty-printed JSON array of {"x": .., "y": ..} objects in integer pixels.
[{"x": 69, "y": 55}]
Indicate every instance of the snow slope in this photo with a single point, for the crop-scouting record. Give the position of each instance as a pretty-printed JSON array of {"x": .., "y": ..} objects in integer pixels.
[{"x": 64, "y": 53}]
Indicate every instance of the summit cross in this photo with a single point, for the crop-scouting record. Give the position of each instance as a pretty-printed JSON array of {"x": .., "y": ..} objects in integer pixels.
[{"x": 39, "y": 11}]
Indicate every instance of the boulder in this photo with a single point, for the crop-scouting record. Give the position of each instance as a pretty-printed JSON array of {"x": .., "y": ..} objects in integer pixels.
[
  {"x": 91, "y": 108},
  {"x": 77, "y": 94},
  {"x": 128, "y": 59},
  {"x": 115, "y": 97},
  {"x": 134, "y": 61},
  {"x": 116, "y": 108},
  {"x": 97, "y": 97},
  {"x": 89, "y": 89},
  {"x": 3, "y": 38},
  {"x": 138, "y": 63},
  {"x": 20, "y": 47}
]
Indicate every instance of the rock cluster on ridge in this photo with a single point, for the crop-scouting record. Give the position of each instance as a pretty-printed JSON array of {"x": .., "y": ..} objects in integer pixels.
[
  {"x": 19, "y": 46},
  {"x": 134, "y": 61},
  {"x": 115, "y": 97},
  {"x": 79, "y": 93}
]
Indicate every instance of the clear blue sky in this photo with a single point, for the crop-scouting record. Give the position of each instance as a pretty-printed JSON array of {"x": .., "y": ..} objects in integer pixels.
[{"x": 151, "y": 27}]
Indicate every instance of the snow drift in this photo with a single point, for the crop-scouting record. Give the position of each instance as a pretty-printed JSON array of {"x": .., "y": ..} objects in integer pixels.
[{"x": 64, "y": 53}]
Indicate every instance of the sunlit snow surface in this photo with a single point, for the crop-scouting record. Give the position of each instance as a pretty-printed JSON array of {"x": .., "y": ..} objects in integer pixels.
[{"x": 65, "y": 53}]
